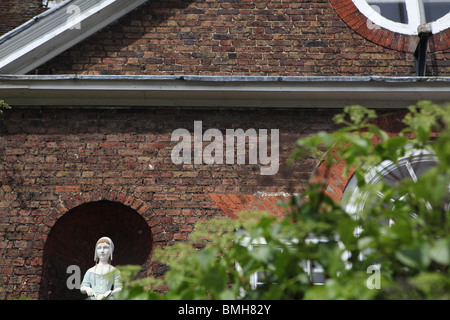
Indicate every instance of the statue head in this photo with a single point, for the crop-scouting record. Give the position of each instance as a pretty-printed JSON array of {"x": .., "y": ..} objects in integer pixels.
[{"x": 104, "y": 246}]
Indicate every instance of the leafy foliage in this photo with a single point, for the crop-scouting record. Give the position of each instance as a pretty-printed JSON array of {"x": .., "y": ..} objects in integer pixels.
[
  {"x": 4, "y": 105},
  {"x": 411, "y": 252}
]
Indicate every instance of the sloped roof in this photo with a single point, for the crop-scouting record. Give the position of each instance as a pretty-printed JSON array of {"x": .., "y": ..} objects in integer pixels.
[{"x": 56, "y": 30}]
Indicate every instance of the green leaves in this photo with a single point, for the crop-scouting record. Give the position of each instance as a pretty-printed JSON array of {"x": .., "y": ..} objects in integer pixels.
[
  {"x": 3, "y": 105},
  {"x": 425, "y": 118},
  {"x": 440, "y": 251},
  {"x": 355, "y": 117},
  {"x": 416, "y": 257},
  {"x": 404, "y": 228}
]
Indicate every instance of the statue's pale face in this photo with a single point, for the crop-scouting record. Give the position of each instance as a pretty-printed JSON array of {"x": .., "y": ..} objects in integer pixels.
[{"x": 103, "y": 251}]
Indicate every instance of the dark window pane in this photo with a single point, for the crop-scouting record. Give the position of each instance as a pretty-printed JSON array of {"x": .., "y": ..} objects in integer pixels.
[
  {"x": 395, "y": 11},
  {"x": 435, "y": 10},
  {"x": 401, "y": 172}
]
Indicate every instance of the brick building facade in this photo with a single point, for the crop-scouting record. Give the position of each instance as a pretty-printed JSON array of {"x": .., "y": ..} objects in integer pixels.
[{"x": 86, "y": 149}]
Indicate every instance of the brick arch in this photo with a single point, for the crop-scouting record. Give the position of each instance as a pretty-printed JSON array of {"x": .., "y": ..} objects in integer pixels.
[
  {"x": 233, "y": 204},
  {"x": 333, "y": 176},
  {"x": 351, "y": 15},
  {"x": 77, "y": 226},
  {"x": 71, "y": 197}
]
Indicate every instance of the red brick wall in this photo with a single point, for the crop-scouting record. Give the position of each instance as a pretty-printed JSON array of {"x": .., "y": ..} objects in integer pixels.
[
  {"x": 54, "y": 161},
  {"x": 75, "y": 162},
  {"x": 293, "y": 38}
]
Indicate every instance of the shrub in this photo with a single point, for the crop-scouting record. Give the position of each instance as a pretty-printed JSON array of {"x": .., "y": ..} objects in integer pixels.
[{"x": 396, "y": 247}]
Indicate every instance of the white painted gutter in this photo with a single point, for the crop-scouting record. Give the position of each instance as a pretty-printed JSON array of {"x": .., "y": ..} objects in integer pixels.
[{"x": 218, "y": 91}]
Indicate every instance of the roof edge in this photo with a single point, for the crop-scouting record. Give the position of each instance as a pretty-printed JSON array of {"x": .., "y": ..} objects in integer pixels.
[
  {"x": 221, "y": 91},
  {"x": 56, "y": 30},
  {"x": 32, "y": 21},
  {"x": 204, "y": 78}
]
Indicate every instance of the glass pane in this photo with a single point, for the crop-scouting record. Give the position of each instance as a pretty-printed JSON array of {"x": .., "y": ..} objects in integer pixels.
[
  {"x": 261, "y": 277},
  {"x": 401, "y": 172},
  {"x": 435, "y": 9},
  {"x": 318, "y": 278},
  {"x": 317, "y": 273},
  {"x": 394, "y": 10}
]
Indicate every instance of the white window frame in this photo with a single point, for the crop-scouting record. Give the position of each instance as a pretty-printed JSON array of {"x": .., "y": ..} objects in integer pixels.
[
  {"x": 309, "y": 267},
  {"x": 354, "y": 198},
  {"x": 415, "y": 18},
  {"x": 373, "y": 175}
]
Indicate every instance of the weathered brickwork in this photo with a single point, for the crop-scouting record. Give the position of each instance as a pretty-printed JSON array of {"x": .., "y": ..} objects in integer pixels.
[
  {"x": 199, "y": 37},
  {"x": 55, "y": 160},
  {"x": 72, "y": 174}
]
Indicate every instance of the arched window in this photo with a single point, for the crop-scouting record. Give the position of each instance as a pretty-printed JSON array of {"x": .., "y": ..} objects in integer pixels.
[
  {"x": 313, "y": 269},
  {"x": 405, "y": 16},
  {"x": 411, "y": 166},
  {"x": 398, "y": 24},
  {"x": 71, "y": 242}
]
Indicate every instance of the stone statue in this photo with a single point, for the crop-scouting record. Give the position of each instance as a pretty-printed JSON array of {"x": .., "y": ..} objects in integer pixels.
[{"x": 102, "y": 280}]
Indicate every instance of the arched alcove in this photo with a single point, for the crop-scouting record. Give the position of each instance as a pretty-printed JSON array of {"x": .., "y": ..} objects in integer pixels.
[{"x": 72, "y": 239}]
